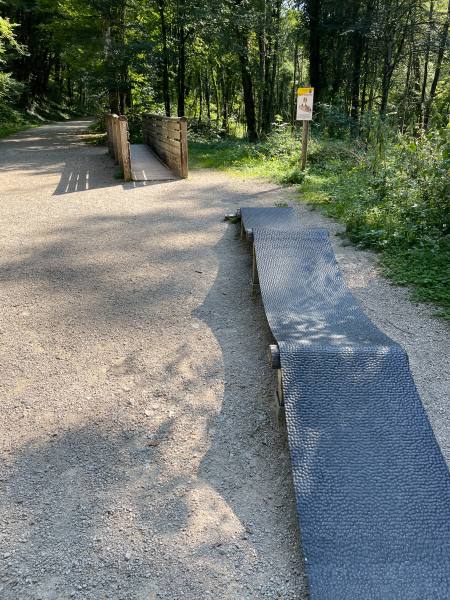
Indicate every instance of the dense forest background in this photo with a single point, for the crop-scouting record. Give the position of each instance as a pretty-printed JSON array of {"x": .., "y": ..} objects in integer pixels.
[
  {"x": 380, "y": 150},
  {"x": 230, "y": 62}
]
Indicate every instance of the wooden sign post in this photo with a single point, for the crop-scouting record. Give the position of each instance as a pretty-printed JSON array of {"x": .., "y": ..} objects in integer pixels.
[{"x": 305, "y": 102}]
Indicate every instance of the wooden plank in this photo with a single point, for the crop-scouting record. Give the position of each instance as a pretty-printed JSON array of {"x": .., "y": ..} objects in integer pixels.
[
  {"x": 125, "y": 148},
  {"x": 146, "y": 166},
  {"x": 168, "y": 144},
  {"x": 168, "y": 137},
  {"x": 170, "y": 127},
  {"x": 115, "y": 122},
  {"x": 184, "y": 150},
  {"x": 173, "y": 136},
  {"x": 164, "y": 118}
]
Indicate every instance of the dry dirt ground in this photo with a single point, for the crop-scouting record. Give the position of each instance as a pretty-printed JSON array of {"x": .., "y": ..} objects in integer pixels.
[{"x": 141, "y": 456}]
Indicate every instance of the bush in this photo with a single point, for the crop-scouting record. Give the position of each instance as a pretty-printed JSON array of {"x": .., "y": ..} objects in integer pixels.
[
  {"x": 402, "y": 199},
  {"x": 395, "y": 199}
]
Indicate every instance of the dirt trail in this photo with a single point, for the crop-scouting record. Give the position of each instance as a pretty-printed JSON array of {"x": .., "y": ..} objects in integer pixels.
[{"x": 140, "y": 454}]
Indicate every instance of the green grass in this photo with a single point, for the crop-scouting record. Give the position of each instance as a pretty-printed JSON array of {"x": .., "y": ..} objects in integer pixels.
[
  {"x": 240, "y": 158},
  {"x": 397, "y": 209},
  {"x": 13, "y": 119},
  {"x": 9, "y": 128}
]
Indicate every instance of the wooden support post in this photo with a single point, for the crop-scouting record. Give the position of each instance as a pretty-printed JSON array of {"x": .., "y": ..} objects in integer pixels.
[
  {"x": 274, "y": 356},
  {"x": 119, "y": 146},
  {"x": 235, "y": 217},
  {"x": 125, "y": 148},
  {"x": 305, "y": 135},
  {"x": 255, "y": 278},
  {"x": 280, "y": 391},
  {"x": 184, "y": 157},
  {"x": 115, "y": 132}
]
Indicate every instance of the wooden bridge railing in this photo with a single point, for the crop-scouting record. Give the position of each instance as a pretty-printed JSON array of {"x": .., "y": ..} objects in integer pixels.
[
  {"x": 118, "y": 144},
  {"x": 167, "y": 137}
]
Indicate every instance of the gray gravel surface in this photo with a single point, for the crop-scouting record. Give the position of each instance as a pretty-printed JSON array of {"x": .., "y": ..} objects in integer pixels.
[{"x": 141, "y": 454}]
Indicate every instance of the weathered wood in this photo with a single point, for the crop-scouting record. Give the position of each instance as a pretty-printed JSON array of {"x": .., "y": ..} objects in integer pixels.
[
  {"x": 115, "y": 123},
  {"x": 305, "y": 135},
  {"x": 274, "y": 356},
  {"x": 118, "y": 144},
  {"x": 255, "y": 278},
  {"x": 167, "y": 137},
  {"x": 280, "y": 390},
  {"x": 184, "y": 148},
  {"x": 170, "y": 128},
  {"x": 125, "y": 148},
  {"x": 146, "y": 166}
]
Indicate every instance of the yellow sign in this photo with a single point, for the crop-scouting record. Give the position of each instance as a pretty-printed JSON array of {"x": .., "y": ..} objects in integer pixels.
[{"x": 305, "y": 101}]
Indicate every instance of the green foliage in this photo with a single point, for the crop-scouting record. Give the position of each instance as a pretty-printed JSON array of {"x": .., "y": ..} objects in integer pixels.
[
  {"x": 426, "y": 268},
  {"x": 393, "y": 198},
  {"x": 276, "y": 158},
  {"x": 397, "y": 197}
]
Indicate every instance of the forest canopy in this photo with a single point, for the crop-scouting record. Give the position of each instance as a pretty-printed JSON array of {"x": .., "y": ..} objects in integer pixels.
[{"x": 231, "y": 62}]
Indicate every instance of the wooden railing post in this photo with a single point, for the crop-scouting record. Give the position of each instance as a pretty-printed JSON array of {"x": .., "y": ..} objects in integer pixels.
[
  {"x": 114, "y": 120},
  {"x": 124, "y": 144},
  {"x": 183, "y": 148}
]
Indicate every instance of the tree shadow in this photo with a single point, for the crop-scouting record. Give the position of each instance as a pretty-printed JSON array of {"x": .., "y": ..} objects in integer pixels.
[
  {"x": 109, "y": 508},
  {"x": 259, "y": 443},
  {"x": 63, "y": 148}
]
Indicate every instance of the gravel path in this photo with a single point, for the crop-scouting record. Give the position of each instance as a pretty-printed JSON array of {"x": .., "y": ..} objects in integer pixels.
[{"x": 141, "y": 458}]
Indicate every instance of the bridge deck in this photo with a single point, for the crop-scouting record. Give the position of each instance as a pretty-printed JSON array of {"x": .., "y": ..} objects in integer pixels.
[{"x": 146, "y": 166}]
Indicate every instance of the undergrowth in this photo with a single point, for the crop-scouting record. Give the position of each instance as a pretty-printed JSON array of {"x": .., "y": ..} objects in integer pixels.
[
  {"x": 13, "y": 120},
  {"x": 391, "y": 192}
]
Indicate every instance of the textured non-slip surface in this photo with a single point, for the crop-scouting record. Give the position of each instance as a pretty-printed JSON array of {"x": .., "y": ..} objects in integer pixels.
[
  {"x": 372, "y": 488},
  {"x": 276, "y": 218}
]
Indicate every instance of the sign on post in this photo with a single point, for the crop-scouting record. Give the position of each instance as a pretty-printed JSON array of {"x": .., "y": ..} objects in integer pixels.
[
  {"x": 305, "y": 100},
  {"x": 305, "y": 103}
]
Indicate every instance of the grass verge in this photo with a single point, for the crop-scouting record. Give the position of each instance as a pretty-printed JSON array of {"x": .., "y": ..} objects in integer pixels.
[{"x": 395, "y": 201}]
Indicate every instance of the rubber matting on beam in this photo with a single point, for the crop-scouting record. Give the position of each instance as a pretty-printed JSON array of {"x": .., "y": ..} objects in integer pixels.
[
  {"x": 372, "y": 487},
  {"x": 273, "y": 217}
]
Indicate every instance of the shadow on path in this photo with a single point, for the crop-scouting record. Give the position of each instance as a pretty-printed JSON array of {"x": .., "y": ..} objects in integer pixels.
[{"x": 94, "y": 510}]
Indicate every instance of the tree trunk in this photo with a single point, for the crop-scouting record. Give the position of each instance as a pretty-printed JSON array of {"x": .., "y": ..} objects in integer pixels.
[
  {"x": 437, "y": 69},
  {"x": 181, "y": 69},
  {"x": 165, "y": 69},
  {"x": 207, "y": 95},
  {"x": 357, "y": 48},
  {"x": 224, "y": 103},
  {"x": 273, "y": 75},
  {"x": 386, "y": 80},
  {"x": 200, "y": 97},
  {"x": 313, "y": 9},
  {"x": 295, "y": 82},
  {"x": 427, "y": 59},
  {"x": 216, "y": 96},
  {"x": 262, "y": 48},
  {"x": 247, "y": 86}
]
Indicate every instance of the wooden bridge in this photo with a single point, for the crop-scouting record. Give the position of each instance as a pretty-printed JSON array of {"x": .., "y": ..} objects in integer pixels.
[{"x": 163, "y": 156}]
